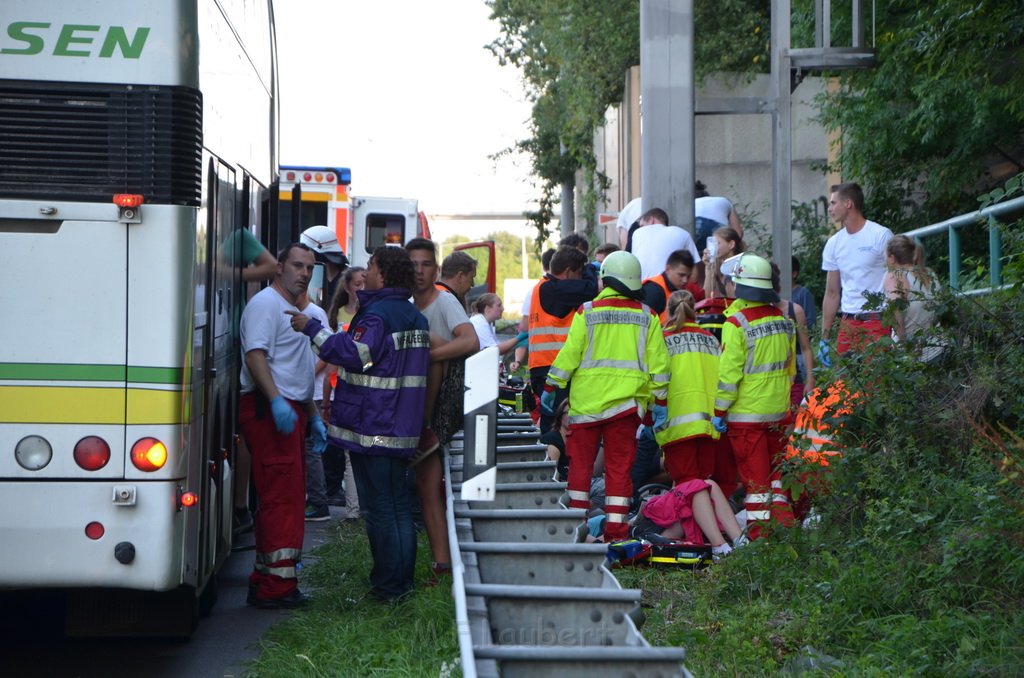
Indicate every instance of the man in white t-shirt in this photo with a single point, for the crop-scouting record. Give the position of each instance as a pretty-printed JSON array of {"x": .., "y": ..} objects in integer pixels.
[
  {"x": 655, "y": 240},
  {"x": 854, "y": 259},
  {"x": 629, "y": 214},
  {"x": 276, "y": 402}
]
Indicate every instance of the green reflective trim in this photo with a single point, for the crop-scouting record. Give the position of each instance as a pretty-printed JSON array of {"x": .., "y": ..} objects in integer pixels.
[{"x": 78, "y": 372}]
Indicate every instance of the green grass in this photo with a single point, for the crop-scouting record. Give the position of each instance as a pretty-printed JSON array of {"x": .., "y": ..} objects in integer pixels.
[{"x": 344, "y": 632}]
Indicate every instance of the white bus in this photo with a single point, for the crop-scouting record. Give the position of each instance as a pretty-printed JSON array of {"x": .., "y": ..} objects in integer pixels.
[{"x": 137, "y": 140}]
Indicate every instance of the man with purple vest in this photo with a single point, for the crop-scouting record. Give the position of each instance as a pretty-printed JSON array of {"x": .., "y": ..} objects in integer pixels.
[{"x": 377, "y": 411}]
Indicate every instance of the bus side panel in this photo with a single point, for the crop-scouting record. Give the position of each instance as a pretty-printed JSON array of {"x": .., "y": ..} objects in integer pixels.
[{"x": 48, "y": 521}]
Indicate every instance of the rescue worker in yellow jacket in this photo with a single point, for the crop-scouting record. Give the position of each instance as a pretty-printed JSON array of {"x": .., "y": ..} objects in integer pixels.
[
  {"x": 616, "y": 358},
  {"x": 754, "y": 377},
  {"x": 688, "y": 438}
]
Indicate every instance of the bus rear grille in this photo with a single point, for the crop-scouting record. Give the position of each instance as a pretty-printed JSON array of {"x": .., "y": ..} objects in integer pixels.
[{"x": 81, "y": 141}]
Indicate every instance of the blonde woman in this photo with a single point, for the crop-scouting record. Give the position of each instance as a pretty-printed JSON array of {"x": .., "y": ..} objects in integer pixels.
[{"x": 910, "y": 288}]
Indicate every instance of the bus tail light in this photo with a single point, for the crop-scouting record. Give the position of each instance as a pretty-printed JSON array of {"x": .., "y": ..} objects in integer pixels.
[
  {"x": 189, "y": 499},
  {"x": 149, "y": 454},
  {"x": 128, "y": 199},
  {"x": 33, "y": 452},
  {"x": 92, "y": 453}
]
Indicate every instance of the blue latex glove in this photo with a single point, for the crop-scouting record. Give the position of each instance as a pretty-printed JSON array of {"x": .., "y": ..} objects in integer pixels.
[
  {"x": 284, "y": 415},
  {"x": 547, "y": 403},
  {"x": 824, "y": 353},
  {"x": 316, "y": 426},
  {"x": 719, "y": 424},
  {"x": 660, "y": 414}
]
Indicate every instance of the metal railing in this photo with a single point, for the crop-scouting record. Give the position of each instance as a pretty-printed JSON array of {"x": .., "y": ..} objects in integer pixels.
[{"x": 952, "y": 228}]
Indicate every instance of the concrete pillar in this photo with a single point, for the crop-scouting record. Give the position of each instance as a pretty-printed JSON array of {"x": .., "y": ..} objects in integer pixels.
[{"x": 666, "y": 108}]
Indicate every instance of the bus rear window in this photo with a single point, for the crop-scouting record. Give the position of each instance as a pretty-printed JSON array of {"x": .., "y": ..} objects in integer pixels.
[{"x": 384, "y": 229}]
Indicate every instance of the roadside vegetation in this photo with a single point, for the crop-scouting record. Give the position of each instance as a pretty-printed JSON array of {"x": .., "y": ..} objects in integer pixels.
[{"x": 344, "y": 632}]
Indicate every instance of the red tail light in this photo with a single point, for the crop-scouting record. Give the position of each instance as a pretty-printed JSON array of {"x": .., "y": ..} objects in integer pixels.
[
  {"x": 92, "y": 453},
  {"x": 189, "y": 499},
  {"x": 94, "y": 530}
]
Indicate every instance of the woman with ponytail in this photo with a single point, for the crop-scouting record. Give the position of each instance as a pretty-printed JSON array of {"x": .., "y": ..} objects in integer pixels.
[
  {"x": 687, "y": 437},
  {"x": 910, "y": 288}
]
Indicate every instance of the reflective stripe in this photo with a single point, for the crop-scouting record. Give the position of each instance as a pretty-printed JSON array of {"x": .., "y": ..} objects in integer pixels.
[
  {"x": 609, "y": 316},
  {"x": 722, "y": 404},
  {"x": 780, "y": 499},
  {"x": 687, "y": 419},
  {"x": 389, "y": 442},
  {"x": 756, "y": 418},
  {"x": 758, "y": 515},
  {"x": 384, "y": 383},
  {"x": 548, "y": 346},
  {"x": 631, "y": 365},
  {"x": 759, "y": 498},
  {"x": 364, "y": 355},
  {"x": 664, "y": 376},
  {"x": 278, "y": 555},
  {"x": 601, "y": 416},
  {"x": 616, "y": 501},
  {"x": 776, "y": 484},
  {"x": 282, "y": 572},
  {"x": 556, "y": 331},
  {"x": 558, "y": 373},
  {"x": 615, "y": 517},
  {"x": 323, "y": 335},
  {"x": 410, "y": 339},
  {"x": 579, "y": 495},
  {"x": 728, "y": 388},
  {"x": 768, "y": 367}
]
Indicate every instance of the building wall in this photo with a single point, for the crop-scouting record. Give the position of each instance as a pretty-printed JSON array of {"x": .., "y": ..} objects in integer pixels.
[{"x": 732, "y": 152}]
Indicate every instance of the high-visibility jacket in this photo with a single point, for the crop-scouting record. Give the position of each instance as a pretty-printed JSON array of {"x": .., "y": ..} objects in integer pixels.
[
  {"x": 547, "y": 332},
  {"x": 616, "y": 357},
  {"x": 818, "y": 420},
  {"x": 757, "y": 364},
  {"x": 693, "y": 354}
]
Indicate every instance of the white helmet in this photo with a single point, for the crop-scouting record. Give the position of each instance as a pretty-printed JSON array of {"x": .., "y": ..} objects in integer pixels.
[{"x": 324, "y": 243}]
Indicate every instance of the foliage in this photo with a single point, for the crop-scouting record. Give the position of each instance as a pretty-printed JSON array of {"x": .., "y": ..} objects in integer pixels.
[
  {"x": 943, "y": 106},
  {"x": 346, "y": 633},
  {"x": 509, "y": 262}
]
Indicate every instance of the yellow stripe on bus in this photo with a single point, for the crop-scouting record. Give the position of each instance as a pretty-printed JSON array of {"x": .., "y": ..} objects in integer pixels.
[{"x": 67, "y": 405}]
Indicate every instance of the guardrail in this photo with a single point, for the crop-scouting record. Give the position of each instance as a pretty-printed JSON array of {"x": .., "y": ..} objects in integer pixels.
[
  {"x": 530, "y": 600},
  {"x": 952, "y": 228}
]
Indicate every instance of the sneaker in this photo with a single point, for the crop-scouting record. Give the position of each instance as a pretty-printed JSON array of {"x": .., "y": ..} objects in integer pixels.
[
  {"x": 428, "y": 445},
  {"x": 318, "y": 514},
  {"x": 293, "y": 600}
]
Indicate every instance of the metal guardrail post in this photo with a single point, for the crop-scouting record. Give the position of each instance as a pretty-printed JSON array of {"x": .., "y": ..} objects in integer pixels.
[
  {"x": 995, "y": 253},
  {"x": 954, "y": 257}
]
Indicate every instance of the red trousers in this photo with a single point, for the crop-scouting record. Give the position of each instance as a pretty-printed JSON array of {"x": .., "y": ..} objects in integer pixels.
[
  {"x": 856, "y": 334},
  {"x": 279, "y": 474},
  {"x": 690, "y": 459},
  {"x": 581, "y": 445},
  {"x": 725, "y": 473},
  {"x": 758, "y": 452}
]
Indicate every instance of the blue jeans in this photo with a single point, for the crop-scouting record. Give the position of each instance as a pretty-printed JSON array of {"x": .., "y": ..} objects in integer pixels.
[{"x": 386, "y": 499}]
